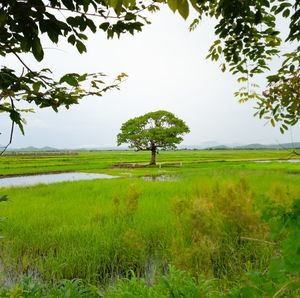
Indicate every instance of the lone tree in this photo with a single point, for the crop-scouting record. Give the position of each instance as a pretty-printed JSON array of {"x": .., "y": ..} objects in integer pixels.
[{"x": 152, "y": 131}]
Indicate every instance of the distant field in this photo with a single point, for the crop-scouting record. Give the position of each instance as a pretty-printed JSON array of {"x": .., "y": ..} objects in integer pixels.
[{"x": 103, "y": 161}]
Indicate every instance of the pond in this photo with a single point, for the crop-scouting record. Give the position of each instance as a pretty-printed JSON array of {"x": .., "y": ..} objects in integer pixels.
[
  {"x": 279, "y": 160},
  {"x": 50, "y": 178}
]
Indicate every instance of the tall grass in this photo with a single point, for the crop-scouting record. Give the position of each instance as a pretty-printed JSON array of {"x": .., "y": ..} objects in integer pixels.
[{"x": 102, "y": 230}]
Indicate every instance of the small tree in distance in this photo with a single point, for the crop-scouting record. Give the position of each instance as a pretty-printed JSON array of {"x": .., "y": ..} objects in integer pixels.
[{"x": 153, "y": 131}]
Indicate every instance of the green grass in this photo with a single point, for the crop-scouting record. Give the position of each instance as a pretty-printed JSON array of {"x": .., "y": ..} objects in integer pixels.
[
  {"x": 102, "y": 160},
  {"x": 102, "y": 230}
]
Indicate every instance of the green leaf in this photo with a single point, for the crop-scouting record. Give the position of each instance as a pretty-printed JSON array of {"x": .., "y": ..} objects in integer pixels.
[
  {"x": 273, "y": 122},
  {"x": 69, "y": 4},
  {"x": 72, "y": 39},
  {"x": 3, "y": 18},
  {"x": 80, "y": 46},
  {"x": 130, "y": 16},
  {"x": 91, "y": 25},
  {"x": 117, "y": 5},
  {"x": 104, "y": 26},
  {"x": 16, "y": 117},
  {"x": 173, "y": 5},
  {"x": 37, "y": 49},
  {"x": 286, "y": 13},
  {"x": 68, "y": 78},
  {"x": 36, "y": 86},
  {"x": 183, "y": 8}
]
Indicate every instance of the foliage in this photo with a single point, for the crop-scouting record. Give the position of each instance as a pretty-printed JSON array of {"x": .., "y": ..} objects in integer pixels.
[
  {"x": 44, "y": 91},
  {"x": 210, "y": 227},
  {"x": 247, "y": 32},
  {"x": 281, "y": 102},
  {"x": 174, "y": 284},
  {"x": 281, "y": 278},
  {"x": 153, "y": 131},
  {"x": 248, "y": 38},
  {"x": 28, "y": 287},
  {"x": 22, "y": 23},
  {"x": 3, "y": 198}
]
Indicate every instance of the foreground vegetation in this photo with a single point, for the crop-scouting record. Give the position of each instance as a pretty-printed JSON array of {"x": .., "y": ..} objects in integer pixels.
[{"x": 117, "y": 237}]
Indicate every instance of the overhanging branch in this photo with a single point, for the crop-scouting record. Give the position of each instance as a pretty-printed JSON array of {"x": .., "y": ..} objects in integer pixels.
[{"x": 11, "y": 129}]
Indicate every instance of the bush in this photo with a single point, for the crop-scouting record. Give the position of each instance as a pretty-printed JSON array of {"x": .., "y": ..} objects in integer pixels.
[{"x": 209, "y": 230}]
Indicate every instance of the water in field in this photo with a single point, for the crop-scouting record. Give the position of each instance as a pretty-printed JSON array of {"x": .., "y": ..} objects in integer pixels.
[
  {"x": 280, "y": 160},
  {"x": 50, "y": 178}
]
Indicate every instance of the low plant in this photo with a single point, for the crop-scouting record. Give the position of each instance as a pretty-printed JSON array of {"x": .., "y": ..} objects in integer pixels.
[
  {"x": 210, "y": 230},
  {"x": 27, "y": 288},
  {"x": 281, "y": 278},
  {"x": 3, "y": 198}
]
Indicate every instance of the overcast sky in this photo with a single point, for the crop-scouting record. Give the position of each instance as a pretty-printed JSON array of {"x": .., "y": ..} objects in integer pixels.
[{"x": 167, "y": 70}]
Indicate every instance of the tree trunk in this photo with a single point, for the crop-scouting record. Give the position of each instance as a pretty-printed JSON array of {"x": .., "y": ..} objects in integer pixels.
[{"x": 153, "y": 161}]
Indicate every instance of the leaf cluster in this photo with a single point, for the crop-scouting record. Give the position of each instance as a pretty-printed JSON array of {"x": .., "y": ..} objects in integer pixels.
[
  {"x": 281, "y": 101},
  {"x": 22, "y": 25},
  {"x": 248, "y": 39},
  {"x": 41, "y": 89}
]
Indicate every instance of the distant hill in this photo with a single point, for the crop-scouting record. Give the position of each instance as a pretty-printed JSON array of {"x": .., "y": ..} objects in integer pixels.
[
  {"x": 213, "y": 146},
  {"x": 271, "y": 146},
  {"x": 52, "y": 149},
  {"x": 34, "y": 149}
]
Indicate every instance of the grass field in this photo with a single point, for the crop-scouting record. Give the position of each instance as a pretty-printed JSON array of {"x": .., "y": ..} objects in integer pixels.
[
  {"x": 170, "y": 161},
  {"x": 104, "y": 230}
]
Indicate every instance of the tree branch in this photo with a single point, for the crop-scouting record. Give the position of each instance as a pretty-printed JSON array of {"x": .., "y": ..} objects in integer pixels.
[
  {"x": 11, "y": 130},
  {"x": 283, "y": 287},
  {"x": 96, "y": 14},
  {"x": 27, "y": 67},
  {"x": 258, "y": 240}
]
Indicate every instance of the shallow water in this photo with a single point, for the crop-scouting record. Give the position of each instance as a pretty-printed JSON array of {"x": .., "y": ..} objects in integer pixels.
[
  {"x": 280, "y": 160},
  {"x": 50, "y": 178}
]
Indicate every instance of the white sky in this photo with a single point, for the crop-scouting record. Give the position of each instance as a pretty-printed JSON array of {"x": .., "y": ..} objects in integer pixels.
[{"x": 167, "y": 70}]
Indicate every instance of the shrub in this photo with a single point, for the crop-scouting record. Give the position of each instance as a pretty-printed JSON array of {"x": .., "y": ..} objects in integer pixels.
[{"x": 209, "y": 231}]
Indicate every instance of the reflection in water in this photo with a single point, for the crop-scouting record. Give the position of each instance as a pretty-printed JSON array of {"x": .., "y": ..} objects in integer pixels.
[{"x": 50, "y": 178}]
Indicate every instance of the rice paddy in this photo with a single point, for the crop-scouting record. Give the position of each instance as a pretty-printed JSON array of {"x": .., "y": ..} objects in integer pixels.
[{"x": 102, "y": 231}]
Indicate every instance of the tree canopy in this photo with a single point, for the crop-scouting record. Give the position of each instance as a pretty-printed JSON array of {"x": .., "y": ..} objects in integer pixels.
[
  {"x": 153, "y": 131},
  {"x": 249, "y": 35},
  {"x": 22, "y": 25}
]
